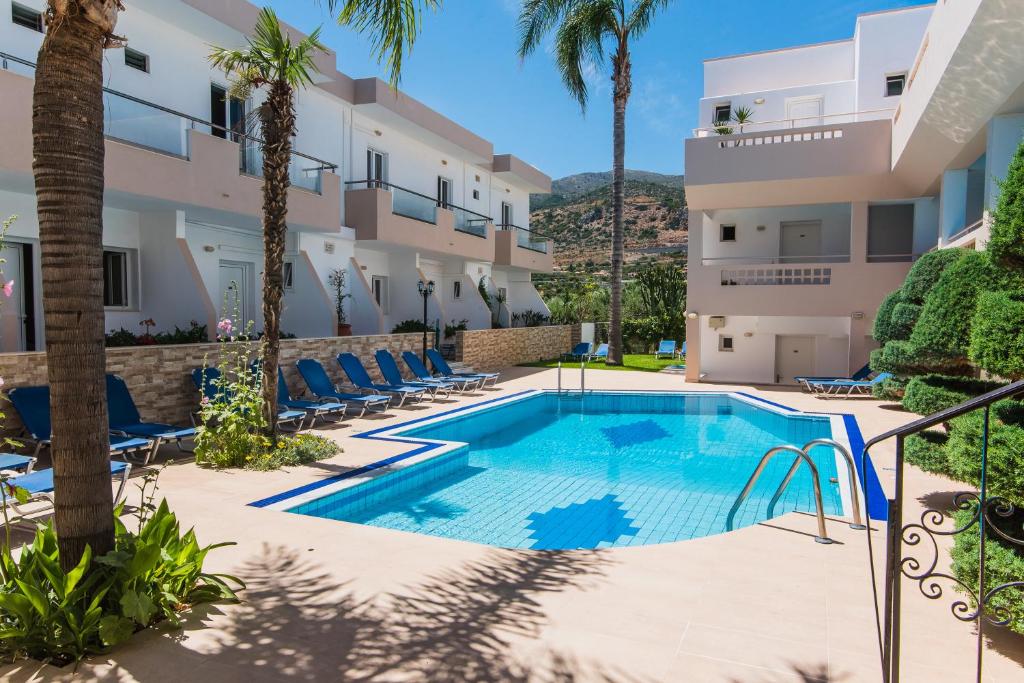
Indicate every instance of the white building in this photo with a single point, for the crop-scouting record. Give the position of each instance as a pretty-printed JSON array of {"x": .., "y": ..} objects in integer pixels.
[
  {"x": 859, "y": 156},
  {"x": 182, "y": 206}
]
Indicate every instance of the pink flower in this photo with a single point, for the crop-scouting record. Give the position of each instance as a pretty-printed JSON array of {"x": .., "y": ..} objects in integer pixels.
[
  {"x": 205, "y": 401},
  {"x": 9, "y": 288},
  {"x": 225, "y": 327}
]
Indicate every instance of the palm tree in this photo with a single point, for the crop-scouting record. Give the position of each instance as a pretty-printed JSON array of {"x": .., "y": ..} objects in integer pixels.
[
  {"x": 273, "y": 62},
  {"x": 68, "y": 152},
  {"x": 393, "y": 24},
  {"x": 585, "y": 29}
]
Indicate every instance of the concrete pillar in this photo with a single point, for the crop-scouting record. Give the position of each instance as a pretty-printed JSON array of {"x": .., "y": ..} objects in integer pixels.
[
  {"x": 693, "y": 350},
  {"x": 953, "y": 204},
  {"x": 858, "y": 232},
  {"x": 1005, "y": 134}
]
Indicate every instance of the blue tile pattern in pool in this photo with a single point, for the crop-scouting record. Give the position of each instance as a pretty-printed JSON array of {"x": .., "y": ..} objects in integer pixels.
[{"x": 607, "y": 470}]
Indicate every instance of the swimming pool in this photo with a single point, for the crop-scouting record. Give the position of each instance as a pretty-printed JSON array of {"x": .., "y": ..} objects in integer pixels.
[{"x": 609, "y": 469}]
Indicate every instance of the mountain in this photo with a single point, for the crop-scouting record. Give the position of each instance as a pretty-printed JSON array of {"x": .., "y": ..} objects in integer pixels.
[{"x": 577, "y": 215}]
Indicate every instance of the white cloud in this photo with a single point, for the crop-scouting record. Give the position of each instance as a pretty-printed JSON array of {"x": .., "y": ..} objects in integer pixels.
[{"x": 658, "y": 106}]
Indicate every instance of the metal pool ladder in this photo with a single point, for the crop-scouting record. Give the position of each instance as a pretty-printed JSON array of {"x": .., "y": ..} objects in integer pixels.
[
  {"x": 803, "y": 455},
  {"x": 583, "y": 378}
]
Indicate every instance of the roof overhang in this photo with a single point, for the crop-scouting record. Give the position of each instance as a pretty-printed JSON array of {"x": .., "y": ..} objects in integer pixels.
[{"x": 517, "y": 172}]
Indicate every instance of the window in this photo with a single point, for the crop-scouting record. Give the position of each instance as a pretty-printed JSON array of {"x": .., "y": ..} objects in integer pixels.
[
  {"x": 27, "y": 17},
  {"x": 226, "y": 113},
  {"x": 506, "y": 214},
  {"x": 115, "y": 279},
  {"x": 444, "y": 192},
  {"x": 379, "y": 286},
  {"x": 728, "y": 233},
  {"x": 288, "y": 274},
  {"x": 723, "y": 112},
  {"x": 376, "y": 168},
  {"x": 457, "y": 289},
  {"x": 136, "y": 59},
  {"x": 894, "y": 85},
  {"x": 724, "y": 343},
  {"x": 476, "y": 194}
]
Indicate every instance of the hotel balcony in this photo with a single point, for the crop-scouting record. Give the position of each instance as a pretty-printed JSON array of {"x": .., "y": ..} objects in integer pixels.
[
  {"x": 158, "y": 158},
  {"x": 392, "y": 215},
  {"x": 827, "y": 159},
  {"x": 516, "y": 247}
]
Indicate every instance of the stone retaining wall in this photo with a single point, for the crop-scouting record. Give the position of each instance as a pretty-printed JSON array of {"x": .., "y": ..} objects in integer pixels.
[
  {"x": 488, "y": 350},
  {"x": 159, "y": 377}
]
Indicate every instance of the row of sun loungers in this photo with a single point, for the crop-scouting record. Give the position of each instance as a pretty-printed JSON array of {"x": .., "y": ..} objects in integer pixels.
[{"x": 858, "y": 384}]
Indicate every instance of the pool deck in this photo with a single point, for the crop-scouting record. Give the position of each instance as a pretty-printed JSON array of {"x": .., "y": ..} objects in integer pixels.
[{"x": 333, "y": 601}]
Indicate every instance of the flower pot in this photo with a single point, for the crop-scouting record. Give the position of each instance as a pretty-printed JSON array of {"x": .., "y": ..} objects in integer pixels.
[{"x": 344, "y": 330}]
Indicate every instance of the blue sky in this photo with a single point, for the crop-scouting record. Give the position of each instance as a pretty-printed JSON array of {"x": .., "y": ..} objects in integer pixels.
[{"x": 465, "y": 66}]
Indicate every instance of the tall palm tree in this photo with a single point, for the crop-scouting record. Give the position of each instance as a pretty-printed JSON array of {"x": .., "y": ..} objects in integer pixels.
[
  {"x": 273, "y": 62},
  {"x": 393, "y": 24},
  {"x": 585, "y": 30},
  {"x": 68, "y": 152}
]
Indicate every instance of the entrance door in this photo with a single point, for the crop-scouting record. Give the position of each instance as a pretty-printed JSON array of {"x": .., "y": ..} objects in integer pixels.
[
  {"x": 800, "y": 242},
  {"x": 804, "y": 111},
  {"x": 236, "y": 292},
  {"x": 794, "y": 357},
  {"x": 14, "y": 317},
  {"x": 376, "y": 168}
]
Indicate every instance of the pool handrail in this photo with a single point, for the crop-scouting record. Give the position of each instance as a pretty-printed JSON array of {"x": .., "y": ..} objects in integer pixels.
[{"x": 851, "y": 470}]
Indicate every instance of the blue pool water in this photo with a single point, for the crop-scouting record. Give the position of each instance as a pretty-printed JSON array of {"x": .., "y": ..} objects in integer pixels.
[{"x": 612, "y": 469}]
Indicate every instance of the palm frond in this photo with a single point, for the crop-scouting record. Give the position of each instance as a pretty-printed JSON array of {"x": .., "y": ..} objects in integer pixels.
[
  {"x": 393, "y": 26},
  {"x": 642, "y": 15},
  {"x": 579, "y": 40},
  {"x": 536, "y": 19}
]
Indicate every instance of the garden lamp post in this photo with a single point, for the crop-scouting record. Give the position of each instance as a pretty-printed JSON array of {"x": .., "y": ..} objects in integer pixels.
[{"x": 426, "y": 289}]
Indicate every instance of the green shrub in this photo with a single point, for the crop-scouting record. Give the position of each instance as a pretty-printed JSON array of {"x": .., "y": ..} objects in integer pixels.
[
  {"x": 640, "y": 334},
  {"x": 1004, "y": 563},
  {"x": 925, "y": 274},
  {"x": 291, "y": 450},
  {"x": 889, "y": 389},
  {"x": 407, "y": 326},
  {"x": 927, "y": 394},
  {"x": 904, "y": 317},
  {"x": 57, "y": 616},
  {"x": 1006, "y": 242},
  {"x": 899, "y": 358},
  {"x": 1005, "y": 475},
  {"x": 997, "y": 334},
  {"x": 943, "y": 330},
  {"x": 927, "y": 451},
  {"x": 883, "y": 330}
]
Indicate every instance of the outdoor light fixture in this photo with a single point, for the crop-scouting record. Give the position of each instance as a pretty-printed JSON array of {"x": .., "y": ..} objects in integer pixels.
[
  {"x": 692, "y": 315},
  {"x": 425, "y": 289}
]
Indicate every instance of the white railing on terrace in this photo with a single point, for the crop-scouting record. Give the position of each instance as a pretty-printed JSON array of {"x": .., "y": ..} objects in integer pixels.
[
  {"x": 964, "y": 232},
  {"x": 757, "y": 260},
  {"x": 732, "y": 128},
  {"x": 776, "y": 276}
]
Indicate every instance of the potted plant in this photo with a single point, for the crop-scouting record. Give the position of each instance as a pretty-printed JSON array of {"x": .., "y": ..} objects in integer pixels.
[{"x": 336, "y": 280}]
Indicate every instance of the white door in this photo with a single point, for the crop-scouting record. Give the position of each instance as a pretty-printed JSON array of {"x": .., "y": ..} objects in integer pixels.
[
  {"x": 235, "y": 292},
  {"x": 804, "y": 111},
  {"x": 13, "y": 316},
  {"x": 444, "y": 192},
  {"x": 794, "y": 357},
  {"x": 800, "y": 241},
  {"x": 506, "y": 214}
]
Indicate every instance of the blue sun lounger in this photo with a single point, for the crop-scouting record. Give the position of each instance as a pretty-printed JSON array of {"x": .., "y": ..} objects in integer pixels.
[
  {"x": 314, "y": 410},
  {"x": 39, "y": 484},
  {"x": 392, "y": 375},
  {"x": 321, "y": 386},
  {"x": 445, "y": 370},
  {"x": 666, "y": 347},
  {"x": 843, "y": 387},
  {"x": 33, "y": 407},
  {"x": 359, "y": 377},
  {"x": 124, "y": 418},
  {"x": 17, "y": 463},
  {"x": 861, "y": 375},
  {"x": 206, "y": 379},
  {"x": 600, "y": 354},
  {"x": 420, "y": 372},
  {"x": 579, "y": 352}
]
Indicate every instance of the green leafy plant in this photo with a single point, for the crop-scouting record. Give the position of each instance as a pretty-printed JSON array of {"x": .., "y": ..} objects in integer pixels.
[
  {"x": 453, "y": 327},
  {"x": 530, "y": 319},
  {"x": 997, "y": 334},
  {"x": 927, "y": 451},
  {"x": 1004, "y": 563},
  {"x": 408, "y": 326},
  {"x": 336, "y": 280},
  {"x": 292, "y": 450},
  {"x": 927, "y": 394}
]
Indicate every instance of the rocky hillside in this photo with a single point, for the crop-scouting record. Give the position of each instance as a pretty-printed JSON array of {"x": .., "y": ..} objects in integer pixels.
[{"x": 578, "y": 216}]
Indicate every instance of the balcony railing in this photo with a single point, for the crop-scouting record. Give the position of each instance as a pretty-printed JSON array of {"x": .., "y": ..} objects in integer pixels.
[
  {"x": 468, "y": 221},
  {"x": 733, "y": 128},
  {"x": 772, "y": 260},
  {"x": 527, "y": 239},
  {"x": 776, "y": 276},
  {"x": 422, "y": 207},
  {"x": 152, "y": 126}
]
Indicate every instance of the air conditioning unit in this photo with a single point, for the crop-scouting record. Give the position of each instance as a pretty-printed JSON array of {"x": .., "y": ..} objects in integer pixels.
[{"x": 716, "y": 322}]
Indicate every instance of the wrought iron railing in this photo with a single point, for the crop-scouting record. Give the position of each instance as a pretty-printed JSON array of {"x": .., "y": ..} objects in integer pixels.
[
  {"x": 985, "y": 512},
  {"x": 526, "y": 238},
  {"x": 152, "y": 126}
]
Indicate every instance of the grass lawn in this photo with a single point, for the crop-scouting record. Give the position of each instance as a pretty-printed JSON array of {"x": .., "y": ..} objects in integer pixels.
[{"x": 644, "y": 362}]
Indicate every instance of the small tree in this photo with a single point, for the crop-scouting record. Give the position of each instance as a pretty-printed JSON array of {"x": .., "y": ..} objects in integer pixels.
[
  {"x": 1006, "y": 242},
  {"x": 337, "y": 281}
]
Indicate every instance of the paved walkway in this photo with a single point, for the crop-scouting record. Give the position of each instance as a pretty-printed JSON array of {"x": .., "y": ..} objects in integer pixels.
[{"x": 332, "y": 601}]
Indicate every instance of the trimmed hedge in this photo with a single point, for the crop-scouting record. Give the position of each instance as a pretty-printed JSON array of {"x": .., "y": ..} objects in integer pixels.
[
  {"x": 1005, "y": 475},
  {"x": 1004, "y": 563},
  {"x": 883, "y": 330},
  {"x": 890, "y": 389},
  {"x": 927, "y": 394},
  {"x": 997, "y": 334},
  {"x": 900, "y": 358},
  {"x": 904, "y": 317},
  {"x": 925, "y": 273},
  {"x": 927, "y": 451},
  {"x": 943, "y": 330},
  {"x": 1006, "y": 243}
]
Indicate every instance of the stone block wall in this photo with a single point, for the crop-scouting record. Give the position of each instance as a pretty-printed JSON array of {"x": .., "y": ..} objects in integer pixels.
[
  {"x": 159, "y": 377},
  {"x": 488, "y": 350}
]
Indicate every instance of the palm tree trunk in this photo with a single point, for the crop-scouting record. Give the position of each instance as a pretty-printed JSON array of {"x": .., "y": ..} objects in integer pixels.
[
  {"x": 68, "y": 150},
  {"x": 278, "y": 121},
  {"x": 620, "y": 97}
]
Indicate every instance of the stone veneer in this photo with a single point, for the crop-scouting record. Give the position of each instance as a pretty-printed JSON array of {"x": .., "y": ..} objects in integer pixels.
[
  {"x": 159, "y": 377},
  {"x": 489, "y": 350}
]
